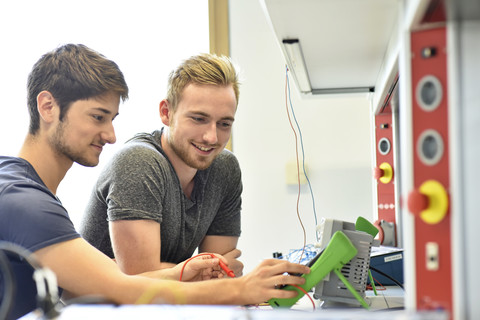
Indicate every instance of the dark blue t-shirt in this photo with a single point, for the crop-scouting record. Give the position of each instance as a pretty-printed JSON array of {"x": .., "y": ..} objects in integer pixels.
[{"x": 32, "y": 217}]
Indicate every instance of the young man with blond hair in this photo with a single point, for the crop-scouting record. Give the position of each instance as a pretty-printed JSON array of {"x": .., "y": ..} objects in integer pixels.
[{"x": 176, "y": 190}]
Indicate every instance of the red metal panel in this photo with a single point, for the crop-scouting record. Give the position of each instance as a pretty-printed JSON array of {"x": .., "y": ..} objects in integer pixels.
[
  {"x": 434, "y": 287},
  {"x": 385, "y": 191}
]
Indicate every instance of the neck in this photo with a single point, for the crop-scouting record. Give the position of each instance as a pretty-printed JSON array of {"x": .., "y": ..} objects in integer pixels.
[
  {"x": 49, "y": 166},
  {"x": 184, "y": 172}
]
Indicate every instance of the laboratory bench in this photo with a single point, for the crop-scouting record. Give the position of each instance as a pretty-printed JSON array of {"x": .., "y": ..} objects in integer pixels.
[{"x": 388, "y": 304}]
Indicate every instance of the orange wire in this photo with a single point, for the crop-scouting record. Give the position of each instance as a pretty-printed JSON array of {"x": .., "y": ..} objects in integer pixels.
[{"x": 298, "y": 168}]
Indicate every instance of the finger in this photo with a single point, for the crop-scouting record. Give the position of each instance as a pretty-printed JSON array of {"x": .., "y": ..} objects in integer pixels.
[
  {"x": 221, "y": 257},
  {"x": 217, "y": 274},
  {"x": 286, "y": 280},
  {"x": 207, "y": 274},
  {"x": 282, "y": 266},
  {"x": 197, "y": 264},
  {"x": 283, "y": 294},
  {"x": 235, "y": 253}
]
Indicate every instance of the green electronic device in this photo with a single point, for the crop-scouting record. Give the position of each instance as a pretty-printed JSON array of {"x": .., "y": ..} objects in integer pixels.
[
  {"x": 364, "y": 225},
  {"x": 338, "y": 252}
]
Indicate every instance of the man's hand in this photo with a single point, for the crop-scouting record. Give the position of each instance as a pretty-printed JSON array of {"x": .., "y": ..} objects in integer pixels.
[
  {"x": 200, "y": 267},
  {"x": 233, "y": 263},
  {"x": 261, "y": 283}
]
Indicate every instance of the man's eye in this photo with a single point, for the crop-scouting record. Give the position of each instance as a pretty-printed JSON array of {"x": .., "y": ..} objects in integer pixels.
[
  {"x": 198, "y": 119},
  {"x": 97, "y": 117},
  {"x": 225, "y": 124}
]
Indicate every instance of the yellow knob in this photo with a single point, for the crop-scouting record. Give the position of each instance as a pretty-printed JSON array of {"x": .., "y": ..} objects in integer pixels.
[
  {"x": 437, "y": 201},
  {"x": 387, "y": 172}
]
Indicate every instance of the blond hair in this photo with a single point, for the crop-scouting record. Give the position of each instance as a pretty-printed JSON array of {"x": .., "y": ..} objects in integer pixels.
[{"x": 202, "y": 69}]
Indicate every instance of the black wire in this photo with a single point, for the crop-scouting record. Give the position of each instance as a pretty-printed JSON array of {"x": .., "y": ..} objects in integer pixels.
[
  {"x": 387, "y": 276},
  {"x": 20, "y": 251},
  {"x": 9, "y": 286}
]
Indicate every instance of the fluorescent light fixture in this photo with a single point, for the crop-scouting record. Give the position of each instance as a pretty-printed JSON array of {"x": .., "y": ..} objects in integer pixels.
[{"x": 297, "y": 64}]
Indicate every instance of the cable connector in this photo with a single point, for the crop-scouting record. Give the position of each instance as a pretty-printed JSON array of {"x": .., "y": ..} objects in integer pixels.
[
  {"x": 229, "y": 271},
  {"x": 47, "y": 292}
]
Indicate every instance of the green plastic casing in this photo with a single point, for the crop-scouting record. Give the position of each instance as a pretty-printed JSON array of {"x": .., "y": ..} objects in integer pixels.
[{"x": 338, "y": 252}]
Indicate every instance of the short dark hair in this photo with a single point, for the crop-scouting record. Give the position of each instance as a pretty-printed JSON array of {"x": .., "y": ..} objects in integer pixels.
[{"x": 72, "y": 72}]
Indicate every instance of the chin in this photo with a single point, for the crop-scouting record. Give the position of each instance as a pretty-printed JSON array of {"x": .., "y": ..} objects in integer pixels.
[
  {"x": 203, "y": 165},
  {"x": 87, "y": 163}
]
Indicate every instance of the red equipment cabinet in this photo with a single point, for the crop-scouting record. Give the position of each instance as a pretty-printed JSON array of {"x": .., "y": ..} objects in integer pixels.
[
  {"x": 429, "y": 199},
  {"x": 384, "y": 171}
]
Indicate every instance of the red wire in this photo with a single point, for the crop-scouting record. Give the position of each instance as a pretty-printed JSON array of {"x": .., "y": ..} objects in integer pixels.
[
  {"x": 379, "y": 287},
  {"x": 306, "y": 293},
  {"x": 222, "y": 265},
  {"x": 298, "y": 168}
]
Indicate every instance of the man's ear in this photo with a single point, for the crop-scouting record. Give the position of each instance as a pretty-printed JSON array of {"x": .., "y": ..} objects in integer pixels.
[
  {"x": 47, "y": 106},
  {"x": 165, "y": 112}
]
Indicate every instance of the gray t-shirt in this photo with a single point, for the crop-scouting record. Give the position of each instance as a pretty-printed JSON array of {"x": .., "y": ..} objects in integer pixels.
[{"x": 140, "y": 183}]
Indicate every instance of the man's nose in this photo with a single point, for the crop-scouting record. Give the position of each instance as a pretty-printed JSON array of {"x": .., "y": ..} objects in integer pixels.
[
  {"x": 109, "y": 134},
  {"x": 210, "y": 134}
]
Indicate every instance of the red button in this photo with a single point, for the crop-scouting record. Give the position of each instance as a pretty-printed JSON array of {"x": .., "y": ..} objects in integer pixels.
[
  {"x": 378, "y": 173},
  {"x": 417, "y": 202}
]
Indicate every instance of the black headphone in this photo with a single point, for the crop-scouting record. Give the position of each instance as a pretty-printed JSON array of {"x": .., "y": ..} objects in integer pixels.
[{"x": 48, "y": 300}]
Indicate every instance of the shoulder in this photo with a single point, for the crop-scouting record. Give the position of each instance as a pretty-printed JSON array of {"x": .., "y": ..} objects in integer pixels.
[
  {"x": 143, "y": 148},
  {"x": 40, "y": 199},
  {"x": 139, "y": 160},
  {"x": 30, "y": 214},
  {"x": 40, "y": 220},
  {"x": 226, "y": 158},
  {"x": 226, "y": 165},
  {"x": 18, "y": 178}
]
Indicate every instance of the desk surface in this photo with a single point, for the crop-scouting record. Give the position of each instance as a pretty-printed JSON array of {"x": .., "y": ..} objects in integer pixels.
[
  {"x": 387, "y": 305},
  {"x": 388, "y": 299}
]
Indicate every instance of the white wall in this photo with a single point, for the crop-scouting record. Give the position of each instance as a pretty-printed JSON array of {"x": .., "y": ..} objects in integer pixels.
[
  {"x": 147, "y": 39},
  {"x": 336, "y": 135}
]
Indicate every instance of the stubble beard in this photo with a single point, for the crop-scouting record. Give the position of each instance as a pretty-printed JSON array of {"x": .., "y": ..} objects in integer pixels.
[
  {"x": 199, "y": 163},
  {"x": 58, "y": 144}
]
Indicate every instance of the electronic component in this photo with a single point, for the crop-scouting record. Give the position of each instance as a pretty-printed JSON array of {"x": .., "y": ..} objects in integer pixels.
[{"x": 339, "y": 251}]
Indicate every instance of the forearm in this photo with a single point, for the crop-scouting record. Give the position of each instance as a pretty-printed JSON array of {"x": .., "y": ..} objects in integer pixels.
[
  {"x": 129, "y": 267},
  {"x": 166, "y": 270},
  {"x": 143, "y": 290},
  {"x": 136, "y": 245},
  {"x": 226, "y": 246},
  {"x": 217, "y": 292},
  {"x": 218, "y": 244}
]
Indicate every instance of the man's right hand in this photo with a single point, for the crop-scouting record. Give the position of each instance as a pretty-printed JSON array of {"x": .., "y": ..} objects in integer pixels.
[{"x": 261, "y": 283}]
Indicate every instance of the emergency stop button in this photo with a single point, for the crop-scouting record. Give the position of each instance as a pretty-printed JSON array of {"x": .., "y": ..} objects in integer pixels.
[
  {"x": 429, "y": 202},
  {"x": 383, "y": 173}
]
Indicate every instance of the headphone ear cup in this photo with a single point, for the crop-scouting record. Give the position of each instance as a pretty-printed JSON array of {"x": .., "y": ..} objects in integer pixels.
[{"x": 9, "y": 286}]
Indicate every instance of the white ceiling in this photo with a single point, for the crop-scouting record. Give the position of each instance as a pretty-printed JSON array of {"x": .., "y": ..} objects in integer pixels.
[{"x": 344, "y": 42}]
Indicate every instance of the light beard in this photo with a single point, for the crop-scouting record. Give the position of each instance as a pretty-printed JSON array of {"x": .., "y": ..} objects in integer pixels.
[
  {"x": 58, "y": 144},
  {"x": 190, "y": 161}
]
